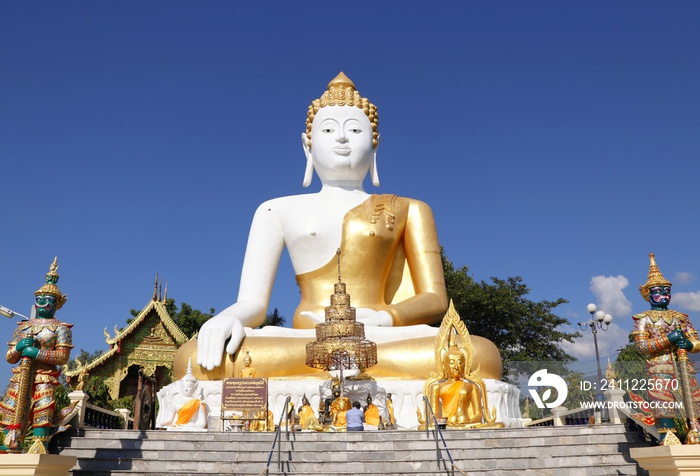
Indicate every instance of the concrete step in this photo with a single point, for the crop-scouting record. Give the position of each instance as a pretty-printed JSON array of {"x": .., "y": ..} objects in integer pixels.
[{"x": 585, "y": 451}]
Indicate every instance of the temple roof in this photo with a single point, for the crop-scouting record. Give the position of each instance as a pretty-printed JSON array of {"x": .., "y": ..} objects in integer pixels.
[{"x": 155, "y": 306}]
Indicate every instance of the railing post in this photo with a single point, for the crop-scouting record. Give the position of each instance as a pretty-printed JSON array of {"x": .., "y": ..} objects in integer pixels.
[
  {"x": 124, "y": 412},
  {"x": 615, "y": 396},
  {"x": 558, "y": 418},
  {"x": 81, "y": 398}
]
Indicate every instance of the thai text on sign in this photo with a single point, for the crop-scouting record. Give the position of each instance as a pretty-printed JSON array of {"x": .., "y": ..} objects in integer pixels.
[{"x": 244, "y": 394}]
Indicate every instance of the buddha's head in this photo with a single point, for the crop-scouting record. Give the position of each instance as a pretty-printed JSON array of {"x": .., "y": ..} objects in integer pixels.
[
  {"x": 188, "y": 383},
  {"x": 454, "y": 361},
  {"x": 341, "y": 137},
  {"x": 188, "y": 386},
  {"x": 657, "y": 289},
  {"x": 247, "y": 360}
]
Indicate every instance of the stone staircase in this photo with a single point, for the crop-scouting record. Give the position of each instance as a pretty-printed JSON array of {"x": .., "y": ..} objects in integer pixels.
[{"x": 566, "y": 451}]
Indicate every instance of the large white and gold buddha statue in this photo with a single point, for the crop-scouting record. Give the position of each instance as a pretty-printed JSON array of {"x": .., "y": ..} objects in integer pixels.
[{"x": 390, "y": 256}]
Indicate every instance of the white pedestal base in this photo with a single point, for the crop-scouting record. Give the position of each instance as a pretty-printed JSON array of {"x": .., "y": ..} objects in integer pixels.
[{"x": 39, "y": 465}]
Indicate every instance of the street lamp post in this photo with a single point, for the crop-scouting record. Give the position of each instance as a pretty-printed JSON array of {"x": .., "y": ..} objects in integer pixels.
[{"x": 599, "y": 320}]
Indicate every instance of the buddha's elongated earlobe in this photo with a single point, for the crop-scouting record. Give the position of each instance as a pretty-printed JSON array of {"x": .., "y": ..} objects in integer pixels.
[
  {"x": 373, "y": 165},
  {"x": 373, "y": 170},
  {"x": 309, "y": 172}
]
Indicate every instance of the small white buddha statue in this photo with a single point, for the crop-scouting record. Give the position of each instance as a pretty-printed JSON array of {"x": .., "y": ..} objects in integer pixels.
[{"x": 191, "y": 413}]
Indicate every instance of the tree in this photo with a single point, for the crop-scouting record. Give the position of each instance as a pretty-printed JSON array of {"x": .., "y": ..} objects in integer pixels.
[
  {"x": 273, "y": 318},
  {"x": 85, "y": 357},
  {"x": 631, "y": 365},
  {"x": 522, "y": 329},
  {"x": 187, "y": 319}
]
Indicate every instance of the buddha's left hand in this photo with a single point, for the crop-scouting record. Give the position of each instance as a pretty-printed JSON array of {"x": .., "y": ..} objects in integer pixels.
[{"x": 368, "y": 317}]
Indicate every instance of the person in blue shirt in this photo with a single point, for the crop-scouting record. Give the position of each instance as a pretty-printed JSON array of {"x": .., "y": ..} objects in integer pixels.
[{"x": 355, "y": 417}]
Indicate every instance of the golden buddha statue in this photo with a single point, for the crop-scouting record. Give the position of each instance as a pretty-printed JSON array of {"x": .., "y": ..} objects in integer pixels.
[
  {"x": 457, "y": 393},
  {"x": 339, "y": 409},
  {"x": 391, "y": 260},
  {"x": 372, "y": 412},
  {"x": 339, "y": 406},
  {"x": 390, "y": 410},
  {"x": 307, "y": 417},
  {"x": 247, "y": 371}
]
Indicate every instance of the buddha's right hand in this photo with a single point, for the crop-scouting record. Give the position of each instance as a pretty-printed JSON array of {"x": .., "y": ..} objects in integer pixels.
[{"x": 212, "y": 337}]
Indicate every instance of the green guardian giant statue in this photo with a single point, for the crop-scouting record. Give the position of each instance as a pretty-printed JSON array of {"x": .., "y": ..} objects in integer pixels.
[
  {"x": 40, "y": 345},
  {"x": 664, "y": 336}
]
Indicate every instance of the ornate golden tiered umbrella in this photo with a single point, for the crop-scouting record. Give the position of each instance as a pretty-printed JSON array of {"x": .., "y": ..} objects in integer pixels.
[{"x": 340, "y": 340}]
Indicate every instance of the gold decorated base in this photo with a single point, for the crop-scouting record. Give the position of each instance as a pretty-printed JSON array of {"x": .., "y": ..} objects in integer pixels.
[{"x": 286, "y": 357}]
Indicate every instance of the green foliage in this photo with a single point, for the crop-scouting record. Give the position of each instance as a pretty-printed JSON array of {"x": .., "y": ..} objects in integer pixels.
[
  {"x": 576, "y": 396},
  {"x": 123, "y": 402},
  {"x": 522, "y": 329},
  {"x": 631, "y": 364},
  {"x": 187, "y": 319},
  {"x": 61, "y": 396},
  {"x": 273, "y": 318},
  {"x": 98, "y": 392},
  {"x": 85, "y": 357}
]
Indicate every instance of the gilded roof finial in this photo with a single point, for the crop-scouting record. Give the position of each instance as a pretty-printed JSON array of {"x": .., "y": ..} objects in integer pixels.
[
  {"x": 155, "y": 289},
  {"x": 654, "y": 278},
  {"x": 165, "y": 295}
]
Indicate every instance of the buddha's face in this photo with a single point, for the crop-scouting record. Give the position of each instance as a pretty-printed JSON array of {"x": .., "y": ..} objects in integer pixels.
[
  {"x": 660, "y": 296},
  {"x": 341, "y": 138},
  {"x": 45, "y": 306},
  {"x": 455, "y": 364},
  {"x": 188, "y": 387}
]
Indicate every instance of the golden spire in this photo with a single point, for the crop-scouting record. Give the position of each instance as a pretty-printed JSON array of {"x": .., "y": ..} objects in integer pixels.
[
  {"x": 155, "y": 289},
  {"x": 50, "y": 287},
  {"x": 655, "y": 278},
  {"x": 340, "y": 340}
]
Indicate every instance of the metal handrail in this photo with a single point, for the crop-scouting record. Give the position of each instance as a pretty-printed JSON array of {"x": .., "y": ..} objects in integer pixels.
[
  {"x": 437, "y": 432},
  {"x": 278, "y": 436}
]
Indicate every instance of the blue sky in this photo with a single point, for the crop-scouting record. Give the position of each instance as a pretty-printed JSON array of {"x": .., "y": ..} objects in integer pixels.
[{"x": 557, "y": 141}]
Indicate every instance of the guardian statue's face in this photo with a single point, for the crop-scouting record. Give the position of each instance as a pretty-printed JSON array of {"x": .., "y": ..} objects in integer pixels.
[
  {"x": 45, "y": 305},
  {"x": 660, "y": 296},
  {"x": 341, "y": 138}
]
